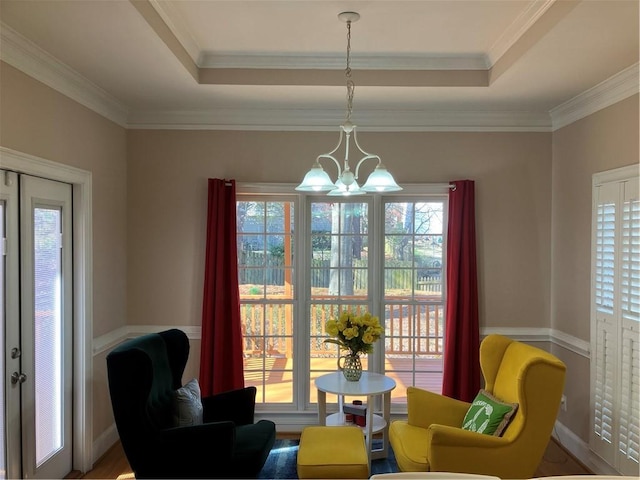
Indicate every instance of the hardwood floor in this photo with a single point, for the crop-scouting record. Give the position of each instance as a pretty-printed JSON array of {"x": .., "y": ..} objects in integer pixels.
[{"x": 556, "y": 461}]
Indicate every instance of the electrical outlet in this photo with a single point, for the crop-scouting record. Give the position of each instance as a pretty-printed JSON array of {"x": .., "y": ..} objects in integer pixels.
[{"x": 563, "y": 403}]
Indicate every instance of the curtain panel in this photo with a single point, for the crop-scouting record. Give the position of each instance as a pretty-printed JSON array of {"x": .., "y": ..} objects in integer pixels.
[
  {"x": 221, "y": 356},
  {"x": 461, "y": 376}
]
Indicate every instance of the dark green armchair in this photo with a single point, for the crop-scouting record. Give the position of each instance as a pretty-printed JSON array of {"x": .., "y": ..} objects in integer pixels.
[{"x": 144, "y": 374}]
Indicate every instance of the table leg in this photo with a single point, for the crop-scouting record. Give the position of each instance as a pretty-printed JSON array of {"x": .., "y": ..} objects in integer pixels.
[
  {"x": 322, "y": 408},
  {"x": 369, "y": 428},
  {"x": 386, "y": 414}
]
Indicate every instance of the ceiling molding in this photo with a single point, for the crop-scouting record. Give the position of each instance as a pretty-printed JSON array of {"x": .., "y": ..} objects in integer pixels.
[
  {"x": 29, "y": 58},
  {"x": 26, "y": 56},
  {"x": 613, "y": 90},
  {"x": 329, "y": 120},
  {"x": 173, "y": 19},
  {"x": 262, "y": 60},
  {"x": 335, "y": 78},
  {"x": 158, "y": 24},
  {"x": 337, "y": 62},
  {"x": 517, "y": 29}
]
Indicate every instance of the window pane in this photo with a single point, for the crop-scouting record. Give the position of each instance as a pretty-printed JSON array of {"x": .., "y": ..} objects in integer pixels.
[
  {"x": 413, "y": 281},
  {"x": 428, "y": 218},
  {"x": 265, "y": 271},
  {"x": 268, "y": 349},
  {"x": 323, "y": 356},
  {"x": 48, "y": 332}
]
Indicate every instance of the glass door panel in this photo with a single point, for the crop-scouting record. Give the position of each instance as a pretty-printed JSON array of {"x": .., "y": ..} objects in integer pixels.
[
  {"x": 46, "y": 327},
  {"x": 47, "y": 228}
]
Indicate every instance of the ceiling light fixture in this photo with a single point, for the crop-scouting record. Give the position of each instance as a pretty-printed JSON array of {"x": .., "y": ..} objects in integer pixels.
[{"x": 317, "y": 180}]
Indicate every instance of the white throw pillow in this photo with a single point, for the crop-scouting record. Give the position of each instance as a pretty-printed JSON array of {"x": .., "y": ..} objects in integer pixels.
[{"x": 188, "y": 406}]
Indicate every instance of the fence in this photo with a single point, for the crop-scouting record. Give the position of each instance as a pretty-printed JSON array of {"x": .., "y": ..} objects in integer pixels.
[{"x": 256, "y": 268}]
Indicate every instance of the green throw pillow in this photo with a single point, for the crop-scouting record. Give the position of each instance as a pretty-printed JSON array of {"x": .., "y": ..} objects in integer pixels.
[{"x": 488, "y": 415}]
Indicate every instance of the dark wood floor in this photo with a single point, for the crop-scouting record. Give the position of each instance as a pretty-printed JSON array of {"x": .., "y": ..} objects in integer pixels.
[{"x": 556, "y": 461}]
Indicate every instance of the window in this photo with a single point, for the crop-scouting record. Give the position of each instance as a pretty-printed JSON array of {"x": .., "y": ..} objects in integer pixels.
[
  {"x": 379, "y": 254},
  {"x": 265, "y": 272},
  {"x": 615, "y": 319}
]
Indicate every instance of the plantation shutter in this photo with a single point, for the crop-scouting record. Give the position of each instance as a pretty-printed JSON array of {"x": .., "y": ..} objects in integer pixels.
[
  {"x": 615, "y": 360},
  {"x": 605, "y": 360},
  {"x": 629, "y": 438}
]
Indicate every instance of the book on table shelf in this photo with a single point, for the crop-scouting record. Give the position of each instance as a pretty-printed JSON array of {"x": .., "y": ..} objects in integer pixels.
[{"x": 357, "y": 411}]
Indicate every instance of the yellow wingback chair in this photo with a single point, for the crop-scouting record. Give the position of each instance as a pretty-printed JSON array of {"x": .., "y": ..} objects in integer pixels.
[{"x": 431, "y": 439}]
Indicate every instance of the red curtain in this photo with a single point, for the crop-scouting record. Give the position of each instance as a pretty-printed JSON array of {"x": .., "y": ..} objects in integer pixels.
[
  {"x": 461, "y": 377},
  {"x": 221, "y": 345}
]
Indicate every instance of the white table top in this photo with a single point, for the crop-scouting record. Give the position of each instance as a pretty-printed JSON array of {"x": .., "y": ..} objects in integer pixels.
[{"x": 369, "y": 384}]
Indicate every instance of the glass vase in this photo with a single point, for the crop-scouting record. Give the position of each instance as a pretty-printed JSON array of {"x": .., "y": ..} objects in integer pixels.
[{"x": 351, "y": 366}]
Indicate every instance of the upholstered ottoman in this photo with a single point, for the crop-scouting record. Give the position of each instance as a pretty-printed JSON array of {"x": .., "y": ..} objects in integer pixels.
[{"x": 332, "y": 452}]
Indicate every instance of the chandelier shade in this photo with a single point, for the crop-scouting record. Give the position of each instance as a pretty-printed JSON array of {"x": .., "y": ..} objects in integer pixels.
[{"x": 318, "y": 180}]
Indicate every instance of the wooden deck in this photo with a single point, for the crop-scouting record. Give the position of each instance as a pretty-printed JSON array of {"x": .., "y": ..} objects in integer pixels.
[{"x": 279, "y": 376}]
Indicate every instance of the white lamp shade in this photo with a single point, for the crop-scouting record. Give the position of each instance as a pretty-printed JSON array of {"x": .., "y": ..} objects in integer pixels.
[
  {"x": 380, "y": 181},
  {"x": 316, "y": 180},
  {"x": 341, "y": 190}
]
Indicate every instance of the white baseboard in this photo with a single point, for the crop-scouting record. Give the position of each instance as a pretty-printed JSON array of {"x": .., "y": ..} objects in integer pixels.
[
  {"x": 104, "y": 442},
  {"x": 580, "y": 449}
]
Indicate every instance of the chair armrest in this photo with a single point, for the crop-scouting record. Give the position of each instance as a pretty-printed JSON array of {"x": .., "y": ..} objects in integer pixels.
[
  {"x": 425, "y": 408},
  {"x": 237, "y": 406},
  {"x": 448, "y": 445}
]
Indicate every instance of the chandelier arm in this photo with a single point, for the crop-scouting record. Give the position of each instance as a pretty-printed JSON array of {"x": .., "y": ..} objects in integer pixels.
[
  {"x": 338, "y": 145},
  {"x": 331, "y": 157},
  {"x": 366, "y": 157},
  {"x": 355, "y": 140}
]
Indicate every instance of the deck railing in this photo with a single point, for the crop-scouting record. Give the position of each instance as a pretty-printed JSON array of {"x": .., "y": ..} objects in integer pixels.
[{"x": 408, "y": 328}]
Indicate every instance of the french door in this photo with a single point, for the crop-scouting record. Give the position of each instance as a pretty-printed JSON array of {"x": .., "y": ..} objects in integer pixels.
[{"x": 36, "y": 296}]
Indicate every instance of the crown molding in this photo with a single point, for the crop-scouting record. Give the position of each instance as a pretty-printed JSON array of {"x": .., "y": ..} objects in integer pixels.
[
  {"x": 613, "y": 90},
  {"x": 329, "y": 120},
  {"x": 517, "y": 29},
  {"x": 26, "y": 56},
  {"x": 29, "y": 58},
  {"x": 336, "y": 62}
]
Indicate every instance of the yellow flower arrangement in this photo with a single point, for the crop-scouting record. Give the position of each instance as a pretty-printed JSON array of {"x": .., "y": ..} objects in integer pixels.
[{"x": 356, "y": 333}]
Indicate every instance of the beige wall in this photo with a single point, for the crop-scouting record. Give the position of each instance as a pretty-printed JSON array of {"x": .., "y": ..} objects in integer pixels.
[
  {"x": 37, "y": 120},
  {"x": 605, "y": 140},
  {"x": 149, "y": 200},
  {"x": 167, "y": 196}
]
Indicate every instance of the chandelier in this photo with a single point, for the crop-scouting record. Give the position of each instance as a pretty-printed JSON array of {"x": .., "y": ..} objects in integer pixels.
[{"x": 317, "y": 180}]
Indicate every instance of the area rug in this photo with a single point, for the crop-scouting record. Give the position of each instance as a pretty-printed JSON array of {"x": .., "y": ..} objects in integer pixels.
[{"x": 284, "y": 455}]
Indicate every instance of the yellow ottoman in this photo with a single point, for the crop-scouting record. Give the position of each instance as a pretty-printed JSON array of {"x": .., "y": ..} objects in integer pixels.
[{"x": 332, "y": 452}]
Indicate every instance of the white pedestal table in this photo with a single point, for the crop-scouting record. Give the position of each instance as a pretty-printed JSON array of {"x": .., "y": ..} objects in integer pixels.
[{"x": 369, "y": 385}]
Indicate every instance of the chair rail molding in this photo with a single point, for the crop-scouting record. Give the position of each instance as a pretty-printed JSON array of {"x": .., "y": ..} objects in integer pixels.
[{"x": 581, "y": 347}]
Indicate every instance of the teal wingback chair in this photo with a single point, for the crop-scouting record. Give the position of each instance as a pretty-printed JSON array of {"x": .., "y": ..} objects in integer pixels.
[{"x": 143, "y": 375}]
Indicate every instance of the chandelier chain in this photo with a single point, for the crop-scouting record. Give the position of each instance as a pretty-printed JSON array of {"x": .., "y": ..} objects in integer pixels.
[{"x": 351, "y": 86}]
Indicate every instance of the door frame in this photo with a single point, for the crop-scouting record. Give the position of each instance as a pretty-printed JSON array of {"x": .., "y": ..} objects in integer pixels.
[{"x": 81, "y": 181}]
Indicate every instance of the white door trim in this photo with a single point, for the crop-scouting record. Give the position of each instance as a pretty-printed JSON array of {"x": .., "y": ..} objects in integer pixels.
[{"x": 82, "y": 294}]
